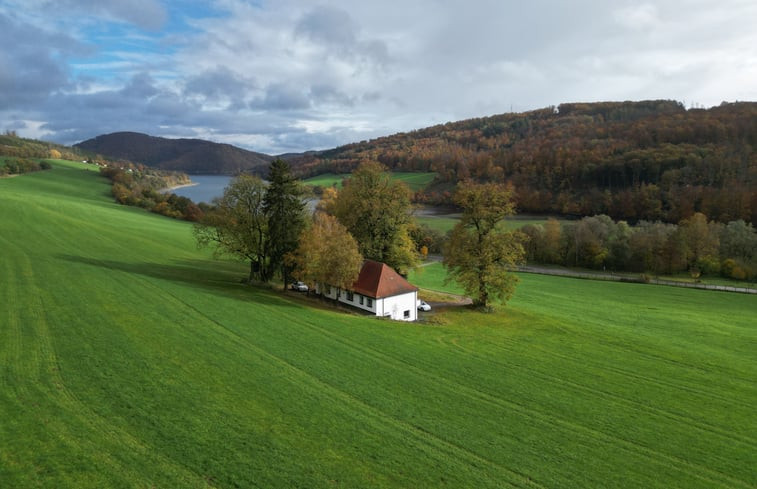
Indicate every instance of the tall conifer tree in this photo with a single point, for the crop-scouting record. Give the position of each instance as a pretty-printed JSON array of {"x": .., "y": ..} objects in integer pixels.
[{"x": 285, "y": 210}]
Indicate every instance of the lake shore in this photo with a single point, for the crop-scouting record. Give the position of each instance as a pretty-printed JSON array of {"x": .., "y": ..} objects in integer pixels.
[{"x": 171, "y": 189}]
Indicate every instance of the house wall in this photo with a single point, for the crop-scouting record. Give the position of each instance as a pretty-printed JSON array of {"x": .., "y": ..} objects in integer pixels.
[
  {"x": 396, "y": 307},
  {"x": 393, "y": 307},
  {"x": 330, "y": 293},
  {"x": 355, "y": 302}
]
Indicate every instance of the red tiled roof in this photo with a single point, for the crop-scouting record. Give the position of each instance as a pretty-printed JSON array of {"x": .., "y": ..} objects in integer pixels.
[{"x": 379, "y": 280}]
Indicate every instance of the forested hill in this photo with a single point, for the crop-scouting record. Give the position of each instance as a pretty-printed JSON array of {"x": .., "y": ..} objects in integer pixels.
[
  {"x": 631, "y": 160},
  {"x": 194, "y": 156}
]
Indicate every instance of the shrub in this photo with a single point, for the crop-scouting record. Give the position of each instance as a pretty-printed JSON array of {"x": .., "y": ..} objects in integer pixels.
[{"x": 708, "y": 265}]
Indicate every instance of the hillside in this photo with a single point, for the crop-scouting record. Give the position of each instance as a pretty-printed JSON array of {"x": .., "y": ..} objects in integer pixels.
[
  {"x": 11, "y": 145},
  {"x": 631, "y": 160},
  {"x": 129, "y": 358},
  {"x": 193, "y": 156}
]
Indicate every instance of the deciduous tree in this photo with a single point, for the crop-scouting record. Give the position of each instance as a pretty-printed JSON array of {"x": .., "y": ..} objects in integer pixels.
[
  {"x": 480, "y": 254},
  {"x": 375, "y": 210},
  {"x": 738, "y": 240},
  {"x": 238, "y": 226},
  {"x": 702, "y": 243},
  {"x": 327, "y": 254}
]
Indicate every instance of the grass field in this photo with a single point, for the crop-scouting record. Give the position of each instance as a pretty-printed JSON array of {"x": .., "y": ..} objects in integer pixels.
[
  {"x": 327, "y": 179},
  {"x": 414, "y": 180},
  {"x": 445, "y": 222},
  {"x": 130, "y": 359}
]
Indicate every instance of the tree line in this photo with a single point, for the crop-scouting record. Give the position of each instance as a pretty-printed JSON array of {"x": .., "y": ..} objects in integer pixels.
[
  {"x": 695, "y": 245},
  {"x": 17, "y": 166}
]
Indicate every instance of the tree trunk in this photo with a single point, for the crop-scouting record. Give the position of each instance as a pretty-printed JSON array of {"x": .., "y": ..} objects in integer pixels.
[{"x": 483, "y": 295}]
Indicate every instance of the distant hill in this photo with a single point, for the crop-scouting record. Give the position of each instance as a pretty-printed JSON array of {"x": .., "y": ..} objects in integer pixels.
[
  {"x": 14, "y": 146},
  {"x": 631, "y": 160},
  {"x": 193, "y": 156}
]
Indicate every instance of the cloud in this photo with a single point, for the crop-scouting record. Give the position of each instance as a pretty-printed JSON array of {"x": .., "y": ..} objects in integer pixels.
[
  {"x": 282, "y": 96},
  {"x": 336, "y": 31},
  {"x": 220, "y": 84},
  {"x": 32, "y": 64},
  {"x": 643, "y": 16},
  {"x": 290, "y": 75},
  {"x": 324, "y": 93},
  {"x": 328, "y": 25},
  {"x": 141, "y": 86}
]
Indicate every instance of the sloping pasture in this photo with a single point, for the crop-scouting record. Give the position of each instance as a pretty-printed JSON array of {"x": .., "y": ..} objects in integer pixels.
[{"x": 128, "y": 358}]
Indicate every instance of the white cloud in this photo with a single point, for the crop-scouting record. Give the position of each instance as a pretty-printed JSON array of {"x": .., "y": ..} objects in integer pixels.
[{"x": 641, "y": 17}]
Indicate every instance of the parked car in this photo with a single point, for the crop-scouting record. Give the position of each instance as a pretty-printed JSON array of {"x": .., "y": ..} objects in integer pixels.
[
  {"x": 299, "y": 286},
  {"x": 423, "y": 306}
]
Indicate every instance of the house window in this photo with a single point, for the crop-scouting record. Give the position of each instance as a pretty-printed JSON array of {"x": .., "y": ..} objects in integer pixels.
[
  {"x": 370, "y": 302},
  {"x": 361, "y": 300},
  {"x": 350, "y": 296},
  {"x": 407, "y": 314}
]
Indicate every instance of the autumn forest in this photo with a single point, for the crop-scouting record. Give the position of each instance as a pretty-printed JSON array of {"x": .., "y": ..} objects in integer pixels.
[{"x": 650, "y": 160}]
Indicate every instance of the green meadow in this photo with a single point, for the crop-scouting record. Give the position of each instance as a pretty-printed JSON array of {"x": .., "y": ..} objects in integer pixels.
[
  {"x": 414, "y": 180},
  {"x": 128, "y": 358},
  {"x": 327, "y": 179},
  {"x": 445, "y": 222}
]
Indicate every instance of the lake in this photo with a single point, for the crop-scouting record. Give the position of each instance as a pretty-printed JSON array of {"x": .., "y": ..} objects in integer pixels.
[{"x": 206, "y": 188}]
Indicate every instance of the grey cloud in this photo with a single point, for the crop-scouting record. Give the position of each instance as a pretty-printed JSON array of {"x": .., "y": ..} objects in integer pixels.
[
  {"x": 328, "y": 25},
  {"x": 140, "y": 86},
  {"x": 169, "y": 108},
  {"x": 15, "y": 124},
  {"x": 325, "y": 93},
  {"x": 33, "y": 63},
  {"x": 375, "y": 50},
  {"x": 280, "y": 96},
  {"x": 336, "y": 30},
  {"x": 294, "y": 140},
  {"x": 219, "y": 84},
  {"x": 77, "y": 117},
  {"x": 372, "y": 96}
]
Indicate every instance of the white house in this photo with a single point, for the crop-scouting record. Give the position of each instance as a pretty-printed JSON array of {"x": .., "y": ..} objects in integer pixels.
[{"x": 381, "y": 291}]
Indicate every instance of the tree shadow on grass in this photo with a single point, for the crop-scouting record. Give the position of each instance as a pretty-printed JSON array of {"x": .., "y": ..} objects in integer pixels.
[{"x": 218, "y": 278}]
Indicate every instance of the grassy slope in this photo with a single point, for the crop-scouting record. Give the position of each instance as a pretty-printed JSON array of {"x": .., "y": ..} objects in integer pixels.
[
  {"x": 326, "y": 179},
  {"x": 445, "y": 222},
  {"x": 128, "y": 358},
  {"x": 414, "y": 180}
]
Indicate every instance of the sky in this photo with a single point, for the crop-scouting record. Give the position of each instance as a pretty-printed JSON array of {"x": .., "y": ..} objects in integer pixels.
[{"x": 291, "y": 75}]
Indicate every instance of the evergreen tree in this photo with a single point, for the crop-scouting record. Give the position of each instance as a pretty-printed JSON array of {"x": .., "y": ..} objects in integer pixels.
[{"x": 284, "y": 208}]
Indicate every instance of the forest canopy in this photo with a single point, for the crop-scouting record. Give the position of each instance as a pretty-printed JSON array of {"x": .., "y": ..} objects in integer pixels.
[{"x": 650, "y": 160}]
